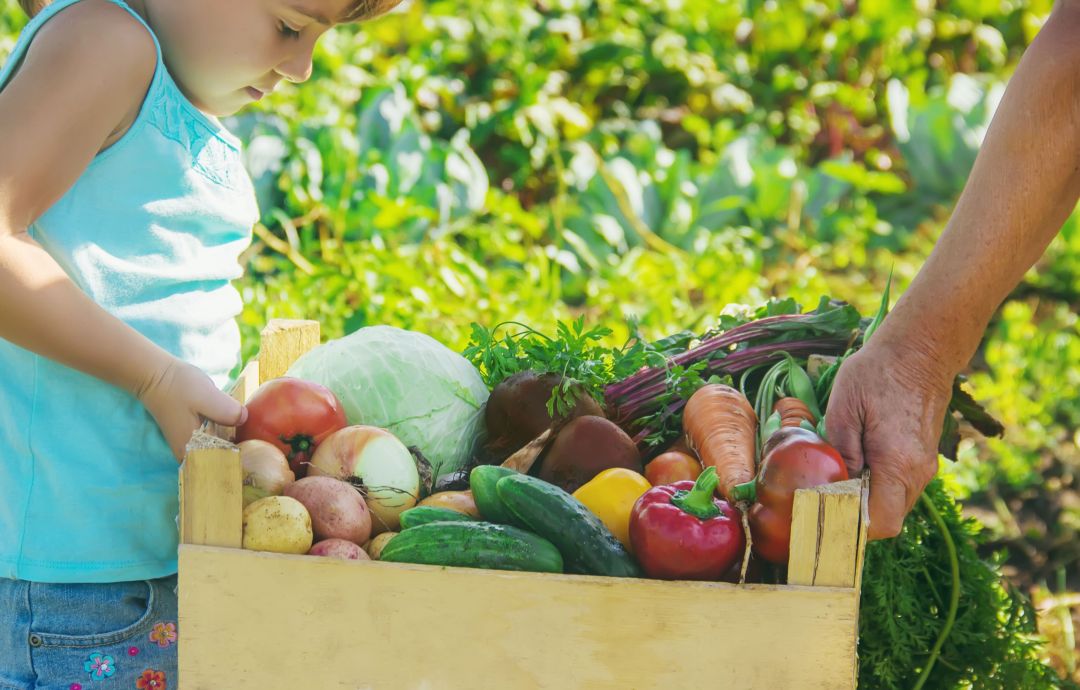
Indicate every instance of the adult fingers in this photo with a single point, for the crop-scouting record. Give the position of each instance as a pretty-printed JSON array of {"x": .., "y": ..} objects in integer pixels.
[
  {"x": 844, "y": 426},
  {"x": 898, "y": 475},
  {"x": 888, "y": 504}
]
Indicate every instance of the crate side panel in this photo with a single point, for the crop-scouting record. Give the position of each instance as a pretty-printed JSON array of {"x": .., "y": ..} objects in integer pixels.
[{"x": 271, "y": 621}]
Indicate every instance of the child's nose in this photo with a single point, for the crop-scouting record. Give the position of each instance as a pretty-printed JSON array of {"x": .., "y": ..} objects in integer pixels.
[{"x": 297, "y": 68}]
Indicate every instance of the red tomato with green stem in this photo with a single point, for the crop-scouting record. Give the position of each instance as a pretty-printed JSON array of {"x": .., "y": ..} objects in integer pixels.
[
  {"x": 294, "y": 415},
  {"x": 793, "y": 458}
]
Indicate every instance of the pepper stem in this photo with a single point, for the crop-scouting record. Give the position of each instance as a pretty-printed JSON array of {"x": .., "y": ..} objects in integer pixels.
[
  {"x": 699, "y": 500},
  {"x": 745, "y": 492}
]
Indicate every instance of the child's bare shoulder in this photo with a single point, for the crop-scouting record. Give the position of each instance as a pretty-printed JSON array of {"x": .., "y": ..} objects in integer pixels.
[
  {"x": 95, "y": 40},
  {"x": 76, "y": 91}
]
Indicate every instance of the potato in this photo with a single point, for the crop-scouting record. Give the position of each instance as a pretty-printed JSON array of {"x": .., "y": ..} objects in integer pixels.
[
  {"x": 375, "y": 546},
  {"x": 279, "y": 524},
  {"x": 339, "y": 548},
  {"x": 337, "y": 509}
]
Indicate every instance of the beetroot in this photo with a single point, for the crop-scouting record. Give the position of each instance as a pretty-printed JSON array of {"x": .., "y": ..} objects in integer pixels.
[
  {"x": 516, "y": 411},
  {"x": 584, "y": 448}
]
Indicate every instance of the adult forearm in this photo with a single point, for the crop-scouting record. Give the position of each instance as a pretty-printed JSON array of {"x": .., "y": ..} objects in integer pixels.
[
  {"x": 41, "y": 310},
  {"x": 1023, "y": 186}
]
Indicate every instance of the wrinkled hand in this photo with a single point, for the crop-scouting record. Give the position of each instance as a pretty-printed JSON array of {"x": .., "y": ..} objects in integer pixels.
[
  {"x": 886, "y": 412},
  {"x": 180, "y": 396}
]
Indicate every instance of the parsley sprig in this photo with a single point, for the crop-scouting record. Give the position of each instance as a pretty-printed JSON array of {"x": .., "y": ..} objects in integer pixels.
[{"x": 576, "y": 354}]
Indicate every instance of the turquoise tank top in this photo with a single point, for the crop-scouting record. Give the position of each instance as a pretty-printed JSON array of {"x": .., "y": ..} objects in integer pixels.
[{"x": 152, "y": 231}]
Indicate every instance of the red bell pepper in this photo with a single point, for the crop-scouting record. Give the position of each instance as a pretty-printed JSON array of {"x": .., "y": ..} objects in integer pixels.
[
  {"x": 793, "y": 458},
  {"x": 682, "y": 531}
]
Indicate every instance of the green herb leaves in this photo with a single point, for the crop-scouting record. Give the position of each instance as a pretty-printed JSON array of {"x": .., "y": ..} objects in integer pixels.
[{"x": 574, "y": 353}]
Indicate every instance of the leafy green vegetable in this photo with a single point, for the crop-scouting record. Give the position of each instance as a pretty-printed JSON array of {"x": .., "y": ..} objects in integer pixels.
[
  {"x": 648, "y": 403},
  {"x": 883, "y": 310},
  {"x": 984, "y": 639},
  {"x": 574, "y": 353},
  {"x": 423, "y": 392},
  {"x": 973, "y": 412}
]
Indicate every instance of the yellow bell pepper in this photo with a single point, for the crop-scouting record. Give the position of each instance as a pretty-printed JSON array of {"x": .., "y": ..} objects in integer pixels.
[{"x": 611, "y": 496}]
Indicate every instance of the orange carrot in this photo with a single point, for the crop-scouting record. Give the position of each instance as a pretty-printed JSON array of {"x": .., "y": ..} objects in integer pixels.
[
  {"x": 721, "y": 427},
  {"x": 793, "y": 411}
]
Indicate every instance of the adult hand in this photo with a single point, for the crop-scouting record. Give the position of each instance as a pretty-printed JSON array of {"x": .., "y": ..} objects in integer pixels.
[
  {"x": 886, "y": 412},
  {"x": 180, "y": 396}
]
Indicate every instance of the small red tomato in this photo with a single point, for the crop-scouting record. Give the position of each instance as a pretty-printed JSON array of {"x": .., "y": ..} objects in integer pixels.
[
  {"x": 294, "y": 415},
  {"x": 672, "y": 466}
]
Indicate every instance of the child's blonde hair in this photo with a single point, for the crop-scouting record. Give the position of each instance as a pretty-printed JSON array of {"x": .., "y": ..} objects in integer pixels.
[
  {"x": 361, "y": 9},
  {"x": 32, "y": 7}
]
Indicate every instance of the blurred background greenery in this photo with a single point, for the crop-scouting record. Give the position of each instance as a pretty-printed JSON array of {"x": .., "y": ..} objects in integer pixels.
[{"x": 487, "y": 160}]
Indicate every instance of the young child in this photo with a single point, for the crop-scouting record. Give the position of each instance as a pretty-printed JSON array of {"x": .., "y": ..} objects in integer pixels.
[{"x": 124, "y": 207}]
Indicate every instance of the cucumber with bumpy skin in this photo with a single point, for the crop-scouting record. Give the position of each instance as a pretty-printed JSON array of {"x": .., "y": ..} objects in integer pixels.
[
  {"x": 474, "y": 545},
  {"x": 586, "y": 544},
  {"x": 482, "y": 481},
  {"x": 422, "y": 515}
]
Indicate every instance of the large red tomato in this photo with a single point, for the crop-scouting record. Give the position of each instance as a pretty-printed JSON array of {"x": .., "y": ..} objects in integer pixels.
[{"x": 295, "y": 415}]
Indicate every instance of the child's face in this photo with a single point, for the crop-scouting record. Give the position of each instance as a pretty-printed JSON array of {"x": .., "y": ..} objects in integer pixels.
[{"x": 224, "y": 54}]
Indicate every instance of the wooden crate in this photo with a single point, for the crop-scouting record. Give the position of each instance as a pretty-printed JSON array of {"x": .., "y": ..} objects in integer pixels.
[{"x": 260, "y": 620}]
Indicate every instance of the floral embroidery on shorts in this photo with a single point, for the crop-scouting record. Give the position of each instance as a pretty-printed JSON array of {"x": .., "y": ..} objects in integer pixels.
[
  {"x": 133, "y": 651},
  {"x": 151, "y": 680},
  {"x": 99, "y": 666},
  {"x": 75, "y": 686},
  {"x": 164, "y": 634}
]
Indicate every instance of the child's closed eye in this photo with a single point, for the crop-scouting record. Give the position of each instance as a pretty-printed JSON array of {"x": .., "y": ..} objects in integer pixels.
[{"x": 285, "y": 30}]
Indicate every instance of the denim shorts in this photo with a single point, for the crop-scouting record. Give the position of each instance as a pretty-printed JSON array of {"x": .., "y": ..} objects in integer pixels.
[{"x": 88, "y": 636}]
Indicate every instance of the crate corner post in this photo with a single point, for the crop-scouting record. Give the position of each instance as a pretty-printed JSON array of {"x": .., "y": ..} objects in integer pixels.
[
  {"x": 828, "y": 540},
  {"x": 282, "y": 342},
  {"x": 211, "y": 494}
]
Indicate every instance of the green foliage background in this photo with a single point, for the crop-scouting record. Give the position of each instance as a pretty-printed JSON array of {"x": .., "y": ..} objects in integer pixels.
[
  {"x": 464, "y": 161},
  {"x": 489, "y": 160}
]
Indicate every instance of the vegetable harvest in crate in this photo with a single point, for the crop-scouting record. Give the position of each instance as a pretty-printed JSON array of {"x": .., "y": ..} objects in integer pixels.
[{"x": 676, "y": 458}]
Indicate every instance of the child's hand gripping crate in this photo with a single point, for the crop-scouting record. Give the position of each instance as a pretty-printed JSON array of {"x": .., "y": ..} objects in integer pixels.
[{"x": 250, "y": 619}]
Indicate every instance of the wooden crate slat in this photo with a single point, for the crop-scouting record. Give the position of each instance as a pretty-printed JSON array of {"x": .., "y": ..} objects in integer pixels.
[
  {"x": 282, "y": 342},
  {"x": 273, "y": 621},
  {"x": 245, "y": 385},
  {"x": 824, "y": 544},
  {"x": 262, "y": 619},
  {"x": 211, "y": 494}
]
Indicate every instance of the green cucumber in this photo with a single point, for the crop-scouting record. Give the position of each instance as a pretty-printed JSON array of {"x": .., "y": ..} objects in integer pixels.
[
  {"x": 586, "y": 544},
  {"x": 482, "y": 481},
  {"x": 421, "y": 515},
  {"x": 474, "y": 545}
]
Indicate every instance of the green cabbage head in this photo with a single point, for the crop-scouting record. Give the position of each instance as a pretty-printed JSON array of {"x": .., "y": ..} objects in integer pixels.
[{"x": 408, "y": 383}]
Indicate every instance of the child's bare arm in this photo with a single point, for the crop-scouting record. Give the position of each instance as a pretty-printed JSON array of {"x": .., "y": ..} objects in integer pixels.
[{"x": 85, "y": 72}]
